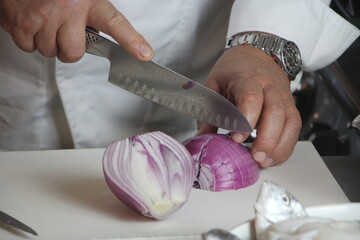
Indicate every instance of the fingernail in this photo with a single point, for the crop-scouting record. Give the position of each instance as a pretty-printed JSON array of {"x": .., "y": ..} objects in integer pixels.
[
  {"x": 238, "y": 137},
  {"x": 267, "y": 163},
  {"x": 260, "y": 157},
  {"x": 145, "y": 51}
]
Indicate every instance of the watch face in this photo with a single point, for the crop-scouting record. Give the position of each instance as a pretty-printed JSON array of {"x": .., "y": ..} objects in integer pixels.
[{"x": 291, "y": 58}]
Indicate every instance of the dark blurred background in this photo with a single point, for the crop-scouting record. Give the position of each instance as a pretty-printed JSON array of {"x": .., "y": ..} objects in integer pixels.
[{"x": 329, "y": 99}]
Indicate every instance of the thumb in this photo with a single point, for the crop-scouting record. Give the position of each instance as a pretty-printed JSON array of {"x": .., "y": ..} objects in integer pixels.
[{"x": 104, "y": 17}]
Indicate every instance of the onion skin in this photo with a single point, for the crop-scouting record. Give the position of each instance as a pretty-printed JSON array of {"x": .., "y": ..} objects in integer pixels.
[
  {"x": 152, "y": 173},
  {"x": 221, "y": 163}
]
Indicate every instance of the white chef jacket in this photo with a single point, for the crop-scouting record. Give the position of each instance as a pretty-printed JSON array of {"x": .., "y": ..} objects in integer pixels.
[{"x": 47, "y": 104}]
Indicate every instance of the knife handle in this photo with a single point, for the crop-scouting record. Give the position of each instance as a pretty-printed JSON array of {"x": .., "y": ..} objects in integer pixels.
[{"x": 98, "y": 45}]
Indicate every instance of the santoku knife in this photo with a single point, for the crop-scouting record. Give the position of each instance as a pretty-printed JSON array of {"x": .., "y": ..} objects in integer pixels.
[{"x": 166, "y": 87}]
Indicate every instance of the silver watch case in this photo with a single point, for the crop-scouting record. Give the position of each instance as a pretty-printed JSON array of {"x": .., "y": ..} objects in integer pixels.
[{"x": 286, "y": 53}]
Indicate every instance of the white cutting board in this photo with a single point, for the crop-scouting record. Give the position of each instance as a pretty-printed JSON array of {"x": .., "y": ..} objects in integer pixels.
[{"x": 62, "y": 195}]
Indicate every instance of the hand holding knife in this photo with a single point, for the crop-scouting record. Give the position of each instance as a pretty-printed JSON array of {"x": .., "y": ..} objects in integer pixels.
[{"x": 166, "y": 87}]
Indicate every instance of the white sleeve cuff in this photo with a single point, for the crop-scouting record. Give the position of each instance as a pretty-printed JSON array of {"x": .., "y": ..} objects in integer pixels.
[{"x": 320, "y": 33}]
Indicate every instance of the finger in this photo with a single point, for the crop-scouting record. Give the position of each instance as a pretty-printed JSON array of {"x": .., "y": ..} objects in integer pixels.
[
  {"x": 249, "y": 100},
  {"x": 288, "y": 139},
  {"x": 45, "y": 40},
  {"x": 270, "y": 126},
  {"x": 204, "y": 128},
  {"x": 105, "y": 17},
  {"x": 71, "y": 40},
  {"x": 24, "y": 30},
  {"x": 24, "y": 41}
]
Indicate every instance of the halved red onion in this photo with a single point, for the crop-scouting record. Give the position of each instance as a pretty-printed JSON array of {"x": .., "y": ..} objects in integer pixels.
[
  {"x": 152, "y": 173},
  {"x": 221, "y": 163}
]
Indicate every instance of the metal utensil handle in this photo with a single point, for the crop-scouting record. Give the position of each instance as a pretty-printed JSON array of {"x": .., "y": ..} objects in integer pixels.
[
  {"x": 98, "y": 45},
  {"x": 91, "y": 36},
  {"x": 356, "y": 122},
  {"x": 7, "y": 219}
]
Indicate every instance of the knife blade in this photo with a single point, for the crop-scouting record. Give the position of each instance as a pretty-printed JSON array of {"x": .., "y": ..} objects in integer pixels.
[
  {"x": 7, "y": 219},
  {"x": 166, "y": 87}
]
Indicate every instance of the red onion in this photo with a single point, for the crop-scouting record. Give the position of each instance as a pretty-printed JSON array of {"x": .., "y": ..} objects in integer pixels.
[
  {"x": 221, "y": 163},
  {"x": 152, "y": 173}
]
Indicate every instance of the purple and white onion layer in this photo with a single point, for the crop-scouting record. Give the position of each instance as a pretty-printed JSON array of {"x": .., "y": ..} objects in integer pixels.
[
  {"x": 152, "y": 173},
  {"x": 221, "y": 163}
]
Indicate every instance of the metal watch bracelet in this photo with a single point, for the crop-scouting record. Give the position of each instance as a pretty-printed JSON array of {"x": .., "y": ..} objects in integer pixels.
[
  {"x": 274, "y": 46},
  {"x": 269, "y": 44}
]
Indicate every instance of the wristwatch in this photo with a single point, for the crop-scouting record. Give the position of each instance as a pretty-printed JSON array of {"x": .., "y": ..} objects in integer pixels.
[{"x": 285, "y": 52}]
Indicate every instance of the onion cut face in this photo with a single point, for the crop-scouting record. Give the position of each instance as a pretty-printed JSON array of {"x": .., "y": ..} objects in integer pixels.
[
  {"x": 152, "y": 173},
  {"x": 221, "y": 164}
]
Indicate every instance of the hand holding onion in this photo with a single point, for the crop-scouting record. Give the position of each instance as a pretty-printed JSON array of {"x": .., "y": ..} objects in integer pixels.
[
  {"x": 259, "y": 88},
  {"x": 154, "y": 173}
]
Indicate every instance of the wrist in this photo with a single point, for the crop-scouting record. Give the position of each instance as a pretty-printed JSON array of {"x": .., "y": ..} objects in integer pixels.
[
  {"x": 251, "y": 60},
  {"x": 284, "y": 52}
]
